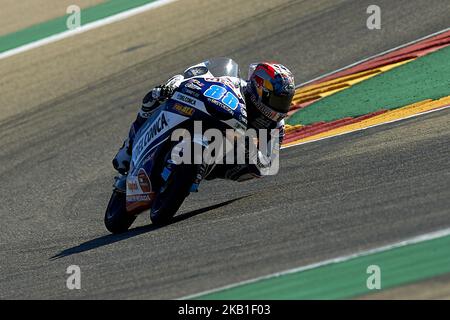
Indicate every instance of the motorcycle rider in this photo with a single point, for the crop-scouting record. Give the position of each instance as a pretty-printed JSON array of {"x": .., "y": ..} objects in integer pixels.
[{"x": 268, "y": 95}]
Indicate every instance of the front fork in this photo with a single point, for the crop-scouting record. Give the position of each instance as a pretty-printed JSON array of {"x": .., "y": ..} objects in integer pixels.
[{"x": 120, "y": 183}]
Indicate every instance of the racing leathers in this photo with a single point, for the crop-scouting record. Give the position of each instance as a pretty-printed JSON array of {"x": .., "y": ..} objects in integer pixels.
[{"x": 237, "y": 172}]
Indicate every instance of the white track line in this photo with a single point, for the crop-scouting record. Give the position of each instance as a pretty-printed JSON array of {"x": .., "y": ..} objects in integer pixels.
[
  {"x": 89, "y": 26},
  {"x": 410, "y": 241},
  {"x": 365, "y": 128},
  {"x": 373, "y": 57}
]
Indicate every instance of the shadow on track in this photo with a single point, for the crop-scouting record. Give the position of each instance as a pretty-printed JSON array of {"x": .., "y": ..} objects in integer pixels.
[{"x": 112, "y": 238}]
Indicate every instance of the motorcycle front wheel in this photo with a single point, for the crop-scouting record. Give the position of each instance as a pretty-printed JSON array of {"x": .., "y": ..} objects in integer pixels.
[{"x": 117, "y": 219}]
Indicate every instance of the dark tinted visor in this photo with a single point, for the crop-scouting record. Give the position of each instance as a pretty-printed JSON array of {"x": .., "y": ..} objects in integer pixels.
[{"x": 278, "y": 103}]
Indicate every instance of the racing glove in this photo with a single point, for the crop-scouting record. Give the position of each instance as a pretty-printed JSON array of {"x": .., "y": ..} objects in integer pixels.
[
  {"x": 163, "y": 92},
  {"x": 153, "y": 99}
]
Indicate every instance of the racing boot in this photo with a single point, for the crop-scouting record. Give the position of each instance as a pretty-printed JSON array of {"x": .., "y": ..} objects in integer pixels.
[{"x": 121, "y": 161}]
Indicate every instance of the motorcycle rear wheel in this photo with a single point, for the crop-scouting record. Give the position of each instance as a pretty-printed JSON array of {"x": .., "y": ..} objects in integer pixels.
[{"x": 173, "y": 193}]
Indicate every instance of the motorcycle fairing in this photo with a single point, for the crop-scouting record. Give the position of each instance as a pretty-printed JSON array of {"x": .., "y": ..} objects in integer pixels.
[
  {"x": 153, "y": 133},
  {"x": 188, "y": 103}
]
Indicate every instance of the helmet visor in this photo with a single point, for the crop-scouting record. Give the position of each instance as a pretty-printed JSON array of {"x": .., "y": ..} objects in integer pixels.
[{"x": 279, "y": 103}]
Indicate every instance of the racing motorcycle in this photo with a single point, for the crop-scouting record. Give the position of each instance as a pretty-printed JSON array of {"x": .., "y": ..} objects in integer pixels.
[{"x": 211, "y": 94}]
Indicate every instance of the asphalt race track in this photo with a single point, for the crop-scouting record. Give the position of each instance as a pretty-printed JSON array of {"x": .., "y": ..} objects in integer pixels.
[{"x": 68, "y": 110}]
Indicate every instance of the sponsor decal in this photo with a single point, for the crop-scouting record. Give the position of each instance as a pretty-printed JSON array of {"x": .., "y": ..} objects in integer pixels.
[
  {"x": 139, "y": 189},
  {"x": 192, "y": 86},
  {"x": 190, "y": 92},
  {"x": 221, "y": 80},
  {"x": 196, "y": 71},
  {"x": 221, "y": 105},
  {"x": 138, "y": 198},
  {"x": 158, "y": 125},
  {"x": 144, "y": 181},
  {"x": 196, "y": 82},
  {"x": 151, "y": 132},
  {"x": 224, "y": 80},
  {"x": 132, "y": 186},
  {"x": 275, "y": 116},
  {"x": 185, "y": 110},
  {"x": 243, "y": 110},
  {"x": 185, "y": 99},
  {"x": 149, "y": 157},
  {"x": 145, "y": 114}
]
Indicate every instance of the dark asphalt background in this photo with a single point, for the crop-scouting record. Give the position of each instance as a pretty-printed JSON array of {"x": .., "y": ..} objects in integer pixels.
[{"x": 331, "y": 198}]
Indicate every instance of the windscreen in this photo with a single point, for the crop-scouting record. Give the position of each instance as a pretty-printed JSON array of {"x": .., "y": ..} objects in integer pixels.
[{"x": 220, "y": 67}]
